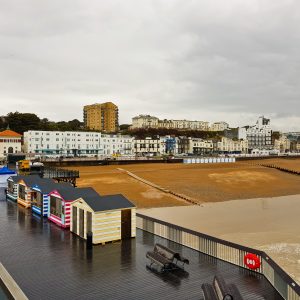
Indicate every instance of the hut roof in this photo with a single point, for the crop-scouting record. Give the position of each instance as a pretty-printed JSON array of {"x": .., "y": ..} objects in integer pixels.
[
  {"x": 16, "y": 179},
  {"x": 47, "y": 186},
  {"x": 109, "y": 202},
  {"x": 31, "y": 180},
  {"x": 71, "y": 193}
]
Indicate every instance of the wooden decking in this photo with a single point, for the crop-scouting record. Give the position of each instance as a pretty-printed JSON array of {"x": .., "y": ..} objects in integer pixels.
[{"x": 48, "y": 262}]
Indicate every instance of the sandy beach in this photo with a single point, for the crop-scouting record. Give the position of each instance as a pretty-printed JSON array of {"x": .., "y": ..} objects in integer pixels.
[{"x": 201, "y": 182}]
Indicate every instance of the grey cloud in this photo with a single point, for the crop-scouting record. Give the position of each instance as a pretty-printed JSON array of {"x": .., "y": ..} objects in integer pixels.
[{"x": 209, "y": 60}]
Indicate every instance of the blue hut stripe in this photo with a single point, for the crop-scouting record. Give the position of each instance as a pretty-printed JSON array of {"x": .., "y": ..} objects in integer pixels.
[{"x": 36, "y": 209}]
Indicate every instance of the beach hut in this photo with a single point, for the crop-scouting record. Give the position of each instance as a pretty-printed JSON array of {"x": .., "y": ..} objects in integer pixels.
[
  {"x": 25, "y": 193},
  {"x": 109, "y": 218},
  {"x": 12, "y": 186},
  {"x": 40, "y": 199},
  {"x": 60, "y": 199}
]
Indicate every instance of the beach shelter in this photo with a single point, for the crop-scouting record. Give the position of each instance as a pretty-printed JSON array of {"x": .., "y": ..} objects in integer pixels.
[
  {"x": 12, "y": 185},
  {"x": 60, "y": 199},
  {"x": 109, "y": 218},
  {"x": 25, "y": 193},
  {"x": 40, "y": 198}
]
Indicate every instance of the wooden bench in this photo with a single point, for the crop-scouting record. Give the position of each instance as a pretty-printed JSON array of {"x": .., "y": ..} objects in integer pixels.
[
  {"x": 165, "y": 258},
  {"x": 209, "y": 292},
  {"x": 224, "y": 291}
]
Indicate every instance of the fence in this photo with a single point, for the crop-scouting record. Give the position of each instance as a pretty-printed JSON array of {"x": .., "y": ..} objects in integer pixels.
[
  {"x": 210, "y": 160},
  {"x": 224, "y": 250}
]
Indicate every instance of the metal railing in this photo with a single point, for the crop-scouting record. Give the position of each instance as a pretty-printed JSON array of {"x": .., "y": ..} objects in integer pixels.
[{"x": 224, "y": 250}]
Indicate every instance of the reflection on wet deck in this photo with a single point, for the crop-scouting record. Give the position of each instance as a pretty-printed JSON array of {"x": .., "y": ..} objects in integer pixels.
[{"x": 50, "y": 263}]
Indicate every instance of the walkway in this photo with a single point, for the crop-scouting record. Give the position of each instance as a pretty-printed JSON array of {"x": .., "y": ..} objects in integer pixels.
[{"x": 50, "y": 263}]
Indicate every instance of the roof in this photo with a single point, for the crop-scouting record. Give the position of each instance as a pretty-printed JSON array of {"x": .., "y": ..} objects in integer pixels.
[
  {"x": 31, "y": 180},
  {"x": 6, "y": 171},
  {"x": 48, "y": 185},
  {"x": 109, "y": 202},
  {"x": 71, "y": 193},
  {"x": 10, "y": 133},
  {"x": 16, "y": 179}
]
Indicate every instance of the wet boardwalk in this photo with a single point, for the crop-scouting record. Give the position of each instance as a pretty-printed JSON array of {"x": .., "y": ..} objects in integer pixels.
[{"x": 50, "y": 263}]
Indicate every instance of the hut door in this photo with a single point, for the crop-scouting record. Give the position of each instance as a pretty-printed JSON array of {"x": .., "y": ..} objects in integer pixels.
[
  {"x": 81, "y": 223},
  {"x": 126, "y": 223},
  {"x": 88, "y": 221},
  {"x": 74, "y": 219}
]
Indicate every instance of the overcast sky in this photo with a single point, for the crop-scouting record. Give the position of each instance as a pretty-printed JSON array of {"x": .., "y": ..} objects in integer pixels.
[{"x": 206, "y": 60}]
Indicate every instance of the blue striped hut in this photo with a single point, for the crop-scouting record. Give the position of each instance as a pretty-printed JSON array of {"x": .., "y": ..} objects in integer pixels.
[{"x": 40, "y": 198}]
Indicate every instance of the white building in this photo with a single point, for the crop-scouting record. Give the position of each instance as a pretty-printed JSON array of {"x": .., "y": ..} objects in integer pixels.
[
  {"x": 10, "y": 142},
  {"x": 147, "y": 121},
  {"x": 259, "y": 136},
  {"x": 117, "y": 144},
  {"x": 219, "y": 126},
  {"x": 225, "y": 145},
  {"x": 144, "y": 121},
  {"x": 71, "y": 143},
  {"x": 184, "y": 125},
  {"x": 149, "y": 146}
]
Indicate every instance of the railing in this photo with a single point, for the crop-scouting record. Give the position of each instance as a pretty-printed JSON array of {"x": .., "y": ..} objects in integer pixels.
[
  {"x": 224, "y": 250},
  {"x": 60, "y": 173}
]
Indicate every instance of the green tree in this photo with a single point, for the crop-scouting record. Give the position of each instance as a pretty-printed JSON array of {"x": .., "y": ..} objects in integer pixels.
[{"x": 21, "y": 122}]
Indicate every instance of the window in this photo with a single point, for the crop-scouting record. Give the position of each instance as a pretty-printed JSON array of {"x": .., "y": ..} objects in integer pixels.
[
  {"x": 37, "y": 199},
  {"x": 10, "y": 187},
  {"x": 55, "y": 206},
  {"x": 22, "y": 192}
]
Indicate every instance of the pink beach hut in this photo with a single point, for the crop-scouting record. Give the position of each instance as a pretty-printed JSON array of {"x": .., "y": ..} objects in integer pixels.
[{"x": 60, "y": 199}]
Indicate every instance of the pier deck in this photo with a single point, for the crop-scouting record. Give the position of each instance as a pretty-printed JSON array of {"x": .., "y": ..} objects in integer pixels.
[{"x": 50, "y": 263}]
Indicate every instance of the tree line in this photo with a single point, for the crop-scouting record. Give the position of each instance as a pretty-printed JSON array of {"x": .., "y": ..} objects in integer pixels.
[{"x": 21, "y": 122}]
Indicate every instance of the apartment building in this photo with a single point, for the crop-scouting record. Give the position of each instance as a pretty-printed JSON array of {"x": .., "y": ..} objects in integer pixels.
[
  {"x": 144, "y": 121},
  {"x": 101, "y": 117},
  {"x": 219, "y": 126},
  {"x": 259, "y": 136},
  {"x": 117, "y": 144},
  {"x": 225, "y": 145},
  {"x": 283, "y": 144},
  {"x": 147, "y": 121},
  {"x": 195, "y": 146},
  {"x": 169, "y": 144},
  {"x": 149, "y": 146},
  {"x": 71, "y": 143}
]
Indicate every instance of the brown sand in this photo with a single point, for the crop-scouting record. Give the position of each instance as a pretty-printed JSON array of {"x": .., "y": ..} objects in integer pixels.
[
  {"x": 291, "y": 164},
  {"x": 109, "y": 180},
  {"x": 203, "y": 182},
  {"x": 269, "y": 224}
]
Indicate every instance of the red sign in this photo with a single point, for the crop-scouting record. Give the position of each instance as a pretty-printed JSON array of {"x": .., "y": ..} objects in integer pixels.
[{"x": 252, "y": 261}]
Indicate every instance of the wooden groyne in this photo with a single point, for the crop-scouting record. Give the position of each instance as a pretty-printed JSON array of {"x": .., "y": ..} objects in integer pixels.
[
  {"x": 294, "y": 172},
  {"x": 162, "y": 189}
]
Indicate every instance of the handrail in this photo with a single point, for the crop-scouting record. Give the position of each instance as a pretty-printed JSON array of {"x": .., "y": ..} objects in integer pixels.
[{"x": 284, "y": 276}]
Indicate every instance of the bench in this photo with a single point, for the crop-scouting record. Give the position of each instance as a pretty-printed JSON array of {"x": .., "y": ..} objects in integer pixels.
[
  {"x": 233, "y": 290},
  {"x": 224, "y": 291},
  {"x": 209, "y": 292},
  {"x": 165, "y": 258}
]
